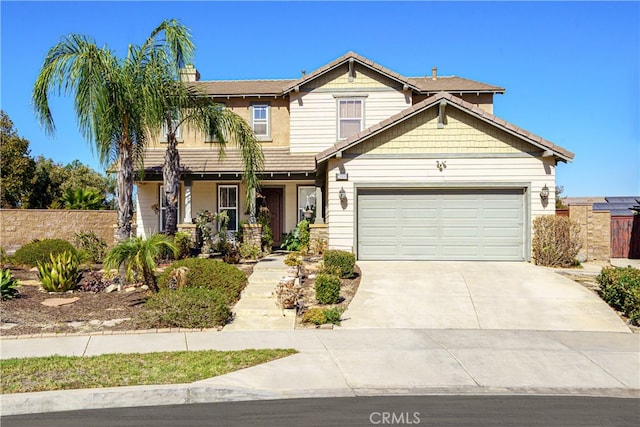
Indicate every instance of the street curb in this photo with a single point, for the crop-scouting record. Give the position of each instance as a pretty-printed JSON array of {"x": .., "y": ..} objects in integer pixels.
[{"x": 137, "y": 396}]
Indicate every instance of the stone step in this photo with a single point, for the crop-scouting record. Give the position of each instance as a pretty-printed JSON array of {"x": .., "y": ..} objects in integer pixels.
[
  {"x": 261, "y": 323},
  {"x": 263, "y": 291},
  {"x": 265, "y": 312}
]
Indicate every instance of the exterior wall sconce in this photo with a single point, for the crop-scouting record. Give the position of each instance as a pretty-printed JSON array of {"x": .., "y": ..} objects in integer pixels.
[
  {"x": 544, "y": 193},
  {"x": 441, "y": 165},
  {"x": 342, "y": 195}
]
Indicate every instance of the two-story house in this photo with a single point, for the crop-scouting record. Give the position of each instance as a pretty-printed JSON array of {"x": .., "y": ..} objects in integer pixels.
[{"x": 395, "y": 167}]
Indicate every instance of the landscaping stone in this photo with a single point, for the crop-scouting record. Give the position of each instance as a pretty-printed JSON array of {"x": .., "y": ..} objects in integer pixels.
[
  {"x": 57, "y": 302},
  {"x": 110, "y": 288}
]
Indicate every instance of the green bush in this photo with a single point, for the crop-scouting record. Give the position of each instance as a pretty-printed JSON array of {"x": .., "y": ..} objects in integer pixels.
[
  {"x": 40, "y": 250},
  {"x": 327, "y": 289},
  {"x": 184, "y": 243},
  {"x": 321, "y": 316},
  {"x": 249, "y": 251},
  {"x": 186, "y": 308},
  {"x": 620, "y": 288},
  {"x": 293, "y": 259},
  {"x": 556, "y": 241},
  {"x": 343, "y": 260},
  {"x": 60, "y": 274},
  {"x": 208, "y": 274},
  {"x": 305, "y": 234},
  {"x": 8, "y": 284},
  {"x": 89, "y": 242}
]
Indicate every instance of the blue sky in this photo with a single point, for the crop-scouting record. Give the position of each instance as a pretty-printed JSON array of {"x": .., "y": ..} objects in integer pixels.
[{"x": 571, "y": 70}]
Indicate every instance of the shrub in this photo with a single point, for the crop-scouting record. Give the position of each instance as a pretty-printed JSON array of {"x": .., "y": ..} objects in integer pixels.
[
  {"x": 343, "y": 260},
  {"x": 208, "y": 274},
  {"x": 92, "y": 244},
  {"x": 305, "y": 234},
  {"x": 556, "y": 241},
  {"x": 184, "y": 243},
  {"x": 293, "y": 259},
  {"x": 620, "y": 288},
  {"x": 40, "y": 250},
  {"x": 321, "y": 316},
  {"x": 327, "y": 289},
  {"x": 298, "y": 238},
  {"x": 249, "y": 251},
  {"x": 186, "y": 308},
  {"x": 60, "y": 274},
  {"x": 8, "y": 284}
]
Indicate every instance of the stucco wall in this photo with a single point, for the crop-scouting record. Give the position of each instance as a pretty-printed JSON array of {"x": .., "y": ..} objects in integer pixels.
[{"x": 20, "y": 226}]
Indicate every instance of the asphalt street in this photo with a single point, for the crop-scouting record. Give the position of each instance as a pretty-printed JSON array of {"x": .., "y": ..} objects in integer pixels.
[{"x": 442, "y": 411}]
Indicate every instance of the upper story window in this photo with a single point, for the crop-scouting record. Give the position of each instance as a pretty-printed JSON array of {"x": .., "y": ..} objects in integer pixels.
[
  {"x": 175, "y": 126},
  {"x": 350, "y": 117},
  {"x": 213, "y": 137},
  {"x": 260, "y": 120}
]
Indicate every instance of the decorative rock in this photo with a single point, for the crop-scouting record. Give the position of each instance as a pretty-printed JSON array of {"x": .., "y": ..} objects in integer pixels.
[
  {"x": 144, "y": 287},
  {"x": 130, "y": 289},
  {"x": 57, "y": 302},
  {"x": 312, "y": 276},
  {"x": 581, "y": 257},
  {"x": 110, "y": 288}
]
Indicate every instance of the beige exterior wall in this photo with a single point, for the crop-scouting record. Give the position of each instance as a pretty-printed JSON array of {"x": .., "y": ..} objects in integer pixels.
[
  {"x": 595, "y": 231},
  {"x": 482, "y": 100},
  {"x": 204, "y": 196},
  {"x": 20, "y": 226},
  {"x": 279, "y": 122},
  {"x": 314, "y": 121},
  {"x": 475, "y": 154}
]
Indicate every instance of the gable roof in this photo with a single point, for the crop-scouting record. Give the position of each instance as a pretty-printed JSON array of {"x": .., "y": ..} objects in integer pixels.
[
  {"x": 464, "y": 106},
  {"x": 422, "y": 85}
]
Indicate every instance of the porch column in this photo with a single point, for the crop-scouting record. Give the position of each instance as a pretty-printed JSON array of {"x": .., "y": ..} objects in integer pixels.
[
  {"x": 319, "y": 217},
  {"x": 187, "y": 202}
]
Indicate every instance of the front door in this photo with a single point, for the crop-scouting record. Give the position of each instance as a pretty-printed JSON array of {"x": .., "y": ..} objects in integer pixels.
[{"x": 273, "y": 199}]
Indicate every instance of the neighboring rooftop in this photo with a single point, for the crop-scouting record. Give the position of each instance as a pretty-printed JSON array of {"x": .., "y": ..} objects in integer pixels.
[{"x": 617, "y": 205}]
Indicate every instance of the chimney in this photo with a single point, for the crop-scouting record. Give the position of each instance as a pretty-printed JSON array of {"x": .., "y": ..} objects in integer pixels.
[
  {"x": 304, "y": 73},
  {"x": 434, "y": 73},
  {"x": 189, "y": 74}
]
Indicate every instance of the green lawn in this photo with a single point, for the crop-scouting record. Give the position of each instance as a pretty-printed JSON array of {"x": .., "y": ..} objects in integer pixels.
[{"x": 113, "y": 370}]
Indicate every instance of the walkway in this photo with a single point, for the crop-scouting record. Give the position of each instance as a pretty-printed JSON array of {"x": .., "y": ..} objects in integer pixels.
[
  {"x": 257, "y": 308},
  {"x": 357, "y": 363}
]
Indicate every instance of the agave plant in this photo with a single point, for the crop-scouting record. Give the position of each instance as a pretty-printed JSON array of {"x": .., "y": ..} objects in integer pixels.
[
  {"x": 60, "y": 274},
  {"x": 8, "y": 285},
  {"x": 138, "y": 257}
]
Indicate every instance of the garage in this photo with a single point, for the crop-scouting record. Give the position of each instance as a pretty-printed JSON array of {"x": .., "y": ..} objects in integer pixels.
[{"x": 441, "y": 224}]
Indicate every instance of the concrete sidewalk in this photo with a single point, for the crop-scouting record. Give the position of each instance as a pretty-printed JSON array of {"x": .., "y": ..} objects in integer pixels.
[{"x": 357, "y": 362}]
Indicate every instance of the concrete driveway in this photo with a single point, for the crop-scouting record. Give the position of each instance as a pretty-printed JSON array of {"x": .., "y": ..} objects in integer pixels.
[{"x": 474, "y": 295}]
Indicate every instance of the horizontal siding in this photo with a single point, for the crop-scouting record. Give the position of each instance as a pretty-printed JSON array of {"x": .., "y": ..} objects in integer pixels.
[
  {"x": 415, "y": 171},
  {"x": 147, "y": 220},
  {"x": 314, "y": 116}
]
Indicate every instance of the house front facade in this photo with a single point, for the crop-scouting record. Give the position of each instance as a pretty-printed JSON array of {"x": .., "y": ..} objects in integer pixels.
[{"x": 392, "y": 167}]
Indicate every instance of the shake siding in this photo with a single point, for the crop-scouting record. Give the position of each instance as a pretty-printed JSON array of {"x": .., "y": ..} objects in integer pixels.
[{"x": 314, "y": 121}]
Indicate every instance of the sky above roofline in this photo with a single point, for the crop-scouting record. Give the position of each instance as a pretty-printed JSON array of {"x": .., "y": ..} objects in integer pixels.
[{"x": 571, "y": 70}]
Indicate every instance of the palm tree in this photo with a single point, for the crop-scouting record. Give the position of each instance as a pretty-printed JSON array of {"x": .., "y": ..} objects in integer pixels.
[
  {"x": 138, "y": 257},
  {"x": 82, "y": 199},
  {"x": 201, "y": 113},
  {"x": 114, "y": 98}
]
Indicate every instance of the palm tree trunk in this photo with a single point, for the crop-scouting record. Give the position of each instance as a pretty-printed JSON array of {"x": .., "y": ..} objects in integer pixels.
[
  {"x": 124, "y": 185},
  {"x": 171, "y": 177}
]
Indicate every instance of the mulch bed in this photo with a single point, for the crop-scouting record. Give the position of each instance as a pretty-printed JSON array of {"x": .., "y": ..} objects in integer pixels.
[{"x": 92, "y": 312}]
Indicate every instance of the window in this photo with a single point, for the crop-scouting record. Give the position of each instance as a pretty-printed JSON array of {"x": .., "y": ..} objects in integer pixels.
[
  {"x": 212, "y": 137},
  {"x": 260, "y": 120},
  {"x": 349, "y": 117},
  {"x": 175, "y": 125},
  {"x": 306, "y": 202},
  {"x": 163, "y": 208},
  {"x": 228, "y": 201}
]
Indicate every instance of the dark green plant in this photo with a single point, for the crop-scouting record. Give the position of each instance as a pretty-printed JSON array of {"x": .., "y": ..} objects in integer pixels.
[
  {"x": 184, "y": 243},
  {"x": 264, "y": 219},
  {"x": 81, "y": 198},
  {"x": 293, "y": 259},
  {"x": 186, "y": 308},
  {"x": 327, "y": 289},
  {"x": 40, "y": 250},
  {"x": 322, "y": 316},
  {"x": 89, "y": 242},
  {"x": 60, "y": 274},
  {"x": 138, "y": 256},
  {"x": 305, "y": 235},
  {"x": 341, "y": 260},
  {"x": 293, "y": 241},
  {"x": 8, "y": 284},
  {"x": 208, "y": 274},
  {"x": 332, "y": 315},
  {"x": 620, "y": 288}
]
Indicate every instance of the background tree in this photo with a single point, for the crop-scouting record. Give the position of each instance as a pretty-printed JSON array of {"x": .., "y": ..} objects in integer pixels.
[
  {"x": 81, "y": 198},
  {"x": 16, "y": 165}
]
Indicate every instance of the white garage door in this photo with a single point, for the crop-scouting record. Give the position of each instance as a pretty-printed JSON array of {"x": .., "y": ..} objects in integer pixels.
[{"x": 403, "y": 224}]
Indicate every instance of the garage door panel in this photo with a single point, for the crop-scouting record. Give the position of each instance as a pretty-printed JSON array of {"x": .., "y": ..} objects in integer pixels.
[{"x": 482, "y": 224}]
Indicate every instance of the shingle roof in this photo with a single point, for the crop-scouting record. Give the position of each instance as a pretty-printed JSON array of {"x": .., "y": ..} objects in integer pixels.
[
  {"x": 425, "y": 85},
  {"x": 456, "y": 102},
  {"x": 206, "y": 160},
  {"x": 619, "y": 206}
]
